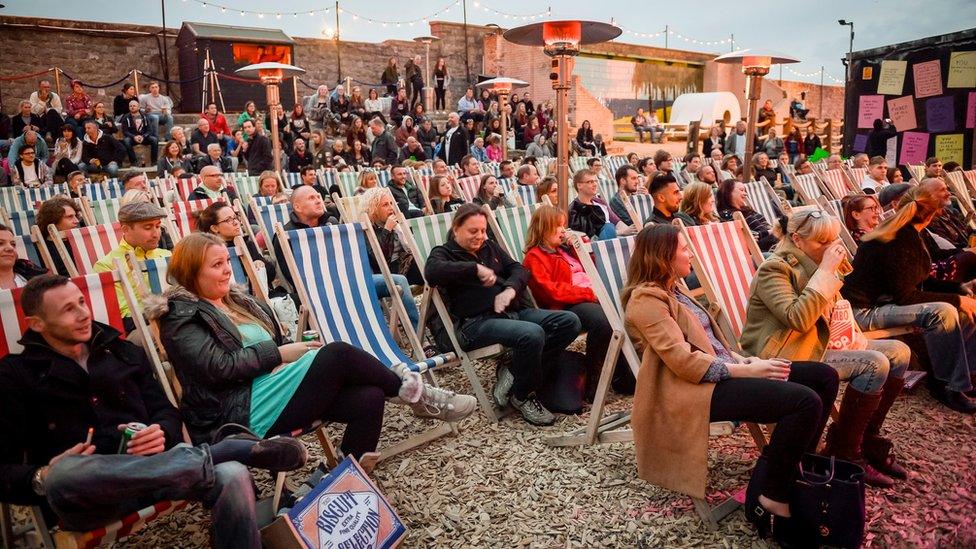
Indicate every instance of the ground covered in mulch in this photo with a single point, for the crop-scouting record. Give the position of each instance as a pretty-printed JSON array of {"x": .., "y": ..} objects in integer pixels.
[{"x": 500, "y": 485}]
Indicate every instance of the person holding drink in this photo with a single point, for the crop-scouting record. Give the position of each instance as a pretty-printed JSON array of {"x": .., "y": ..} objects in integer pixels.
[{"x": 794, "y": 313}]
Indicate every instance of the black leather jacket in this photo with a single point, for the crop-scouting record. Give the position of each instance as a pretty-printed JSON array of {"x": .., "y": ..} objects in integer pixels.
[{"x": 210, "y": 360}]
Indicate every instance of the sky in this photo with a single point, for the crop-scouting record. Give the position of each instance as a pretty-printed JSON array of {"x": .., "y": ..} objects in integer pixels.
[{"x": 805, "y": 30}]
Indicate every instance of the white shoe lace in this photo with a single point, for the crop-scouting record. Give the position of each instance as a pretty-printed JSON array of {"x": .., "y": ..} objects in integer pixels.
[{"x": 436, "y": 399}]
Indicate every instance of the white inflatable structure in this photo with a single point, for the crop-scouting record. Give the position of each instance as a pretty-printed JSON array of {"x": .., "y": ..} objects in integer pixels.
[{"x": 707, "y": 107}]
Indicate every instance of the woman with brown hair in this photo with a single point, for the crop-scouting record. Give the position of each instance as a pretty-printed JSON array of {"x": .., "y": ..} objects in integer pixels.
[
  {"x": 698, "y": 202},
  {"x": 862, "y": 213},
  {"x": 235, "y": 367},
  {"x": 547, "y": 186},
  {"x": 171, "y": 158},
  {"x": 558, "y": 281},
  {"x": 690, "y": 376},
  {"x": 440, "y": 192},
  {"x": 891, "y": 285},
  {"x": 731, "y": 198},
  {"x": 221, "y": 220},
  {"x": 491, "y": 193},
  {"x": 62, "y": 213}
]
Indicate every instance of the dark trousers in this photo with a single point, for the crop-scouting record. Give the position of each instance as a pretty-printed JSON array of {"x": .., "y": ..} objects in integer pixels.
[
  {"x": 533, "y": 335},
  {"x": 51, "y": 124},
  {"x": 799, "y": 408},
  {"x": 343, "y": 384},
  {"x": 440, "y": 95},
  {"x": 598, "y": 331}
]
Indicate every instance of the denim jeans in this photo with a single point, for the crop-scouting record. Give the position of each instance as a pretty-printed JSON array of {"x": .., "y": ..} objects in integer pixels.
[
  {"x": 157, "y": 119},
  {"x": 868, "y": 369},
  {"x": 607, "y": 232},
  {"x": 150, "y": 141},
  {"x": 112, "y": 169},
  {"x": 531, "y": 334},
  {"x": 949, "y": 337},
  {"x": 91, "y": 491},
  {"x": 408, "y": 302}
]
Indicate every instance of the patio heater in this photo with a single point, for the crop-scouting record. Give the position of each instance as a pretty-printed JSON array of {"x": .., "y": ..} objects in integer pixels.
[{"x": 271, "y": 74}]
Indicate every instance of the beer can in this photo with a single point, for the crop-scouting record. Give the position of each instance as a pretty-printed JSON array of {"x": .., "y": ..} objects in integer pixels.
[
  {"x": 130, "y": 431},
  {"x": 310, "y": 335}
]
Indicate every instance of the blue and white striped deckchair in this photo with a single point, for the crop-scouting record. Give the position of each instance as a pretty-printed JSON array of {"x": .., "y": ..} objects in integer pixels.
[
  {"x": 327, "y": 176},
  {"x": 40, "y": 194},
  {"x": 246, "y": 186},
  {"x": 13, "y": 199},
  {"x": 511, "y": 226},
  {"x": 643, "y": 204},
  {"x": 525, "y": 193},
  {"x": 494, "y": 168},
  {"x": 347, "y": 181},
  {"x": 26, "y": 248},
  {"x": 577, "y": 163},
  {"x": 290, "y": 179},
  {"x": 607, "y": 187},
  {"x": 101, "y": 212},
  {"x": 425, "y": 234},
  {"x": 762, "y": 198},
  {"x": 331, "y": 271},
  {"x": 612, "y": 163},
  {"x": 383, "y": 176},
  {"x": 19, "y": 221},
  {"x": 270, "y": 214},
  {"x": 262, "y": 200},
  {"x": 155, "y": 272}
]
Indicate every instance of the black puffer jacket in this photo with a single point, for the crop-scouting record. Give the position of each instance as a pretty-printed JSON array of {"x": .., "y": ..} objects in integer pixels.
[{"x": 211, "y": 362}]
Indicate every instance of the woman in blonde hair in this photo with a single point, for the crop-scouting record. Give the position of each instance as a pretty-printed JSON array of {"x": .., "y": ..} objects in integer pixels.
[
  {"x": 441, "y": 194},
  {"x": 690, "y": 376},
  {"x": 377, "y": 203},
  {"x": 367, "y": 180},
  {"x": 891, "y": 286},
  {"x": 235, "y": 367},
  {"x": 698, "y": 201},
  {"x": 558, "y": 281},
  {"x": 788, "y": 316}
]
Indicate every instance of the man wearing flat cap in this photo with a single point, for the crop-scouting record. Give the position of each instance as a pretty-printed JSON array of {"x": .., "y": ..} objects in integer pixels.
[{"x": 141, "y": 231}]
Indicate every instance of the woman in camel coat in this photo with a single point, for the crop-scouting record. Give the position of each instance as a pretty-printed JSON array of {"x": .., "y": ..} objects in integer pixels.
[{"x": 690, "y": 376}]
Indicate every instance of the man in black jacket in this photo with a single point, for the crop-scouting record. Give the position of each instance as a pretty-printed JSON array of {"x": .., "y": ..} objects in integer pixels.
[
  {"x": 878, "y": 138},
  {"x": 308, "y": 210},
  {"x": 455, "y": 140},
  {"x": 485, "y": 292},
  {"x": 215, "y": 158},
  {"x": 384, "y": 145},
  {"x": 136, "y": 130},
  {"x": 78, "y": 378},
  {"x": 213, "y": 186},
  {"x": 257, "y": 150},
  {"x": 408, "y": 199},
  {"x": 100, "y": 152}
]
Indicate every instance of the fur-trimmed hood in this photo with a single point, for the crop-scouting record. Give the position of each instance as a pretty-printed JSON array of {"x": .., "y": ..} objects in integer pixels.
[{"x": 157, "y": 306}]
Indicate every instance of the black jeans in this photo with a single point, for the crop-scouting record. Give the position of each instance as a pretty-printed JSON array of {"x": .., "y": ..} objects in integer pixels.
[
  {"x": 347, "y": 385},
  {"x": 799, "y": 408},
  {"x": 533, "y": 335},
  {"x": 440, "y": 94},
  {"x": 598, "y": 331}
]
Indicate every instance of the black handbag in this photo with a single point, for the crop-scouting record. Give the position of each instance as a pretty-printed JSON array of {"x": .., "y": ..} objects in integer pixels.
[{"x": 828, "y": 501}]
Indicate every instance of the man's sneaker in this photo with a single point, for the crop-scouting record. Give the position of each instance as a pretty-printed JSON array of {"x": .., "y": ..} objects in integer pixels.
[
  {"x": 437, "y": 403},
  {"x": 503, "y": 386},
  {"x": 533, "y": 411},
  {"x": 278, "y": 454}
]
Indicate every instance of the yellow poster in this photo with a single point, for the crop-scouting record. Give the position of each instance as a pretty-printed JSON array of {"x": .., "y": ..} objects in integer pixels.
[
  {"x": 962, "y": 69},
  {"x": 949, "y": 147},
  {"x": 891, "y": 80}
]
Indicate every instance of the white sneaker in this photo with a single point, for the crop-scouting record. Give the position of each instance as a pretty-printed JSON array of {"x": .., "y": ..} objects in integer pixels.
[{"x": 437, "y": 403}]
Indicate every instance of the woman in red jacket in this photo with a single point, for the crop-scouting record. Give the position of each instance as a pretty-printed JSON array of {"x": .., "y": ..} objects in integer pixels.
[{"x": 558, "y": 281}]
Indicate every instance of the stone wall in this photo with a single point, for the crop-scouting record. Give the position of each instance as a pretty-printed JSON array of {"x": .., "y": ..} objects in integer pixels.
[
  {"x": 96, "y": 53},
  {"x": 833, "y": 98}
]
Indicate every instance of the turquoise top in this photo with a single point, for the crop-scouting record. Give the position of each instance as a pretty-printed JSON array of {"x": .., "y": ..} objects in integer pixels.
[{"x": 270, "y": 393}]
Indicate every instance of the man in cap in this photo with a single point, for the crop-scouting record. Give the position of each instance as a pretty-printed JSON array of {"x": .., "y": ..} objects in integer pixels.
[{"x": 141, "y": 224}]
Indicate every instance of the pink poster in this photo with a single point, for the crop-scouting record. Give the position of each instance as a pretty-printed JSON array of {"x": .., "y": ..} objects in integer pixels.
[
  {"x": 928, "y": 78},
  {"x": 901, "y": 111},
  {"x": 914, "y": 147},
  {"x": 971, "y": 111},
  {"x": 870, "y": 108}
]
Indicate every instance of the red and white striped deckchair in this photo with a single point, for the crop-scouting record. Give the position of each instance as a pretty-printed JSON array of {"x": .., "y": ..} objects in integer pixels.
[
  {"x": 183, "y": 211},
  {"x": 88, "y": 245},
  {"x": 808, "y": 185},
  {"x": 468, "y": 187},
  {"x": 100, "y": 294},
  {"x": 836, "y": 184}
]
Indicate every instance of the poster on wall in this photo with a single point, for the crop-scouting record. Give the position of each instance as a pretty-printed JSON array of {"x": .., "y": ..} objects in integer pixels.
[
  {"x": 901, "y": 111},
  {"x": 928, "y": 78},
  {"x": 891, "y": 81},
  {"x": 948, "y": 148},
  {"x": 971, "y": 110},
  {"x": 870, "y": 108},
  {"x": 914, "y": 148},
  {"x": 939, "y": 114},
  {"x": 962, "y": 69}
]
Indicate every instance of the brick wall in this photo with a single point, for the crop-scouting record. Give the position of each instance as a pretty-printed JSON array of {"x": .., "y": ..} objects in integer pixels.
[
  {"x": 96, "y": 53},
  {"x": 833, "y": 98}
]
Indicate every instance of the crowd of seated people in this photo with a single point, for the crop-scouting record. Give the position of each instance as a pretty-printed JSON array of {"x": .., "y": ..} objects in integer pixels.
[{"x": 246, "y": 388}]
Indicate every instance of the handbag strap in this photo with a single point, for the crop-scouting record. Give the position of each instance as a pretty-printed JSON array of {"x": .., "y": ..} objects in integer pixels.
[{"x": 829, "y": 478}]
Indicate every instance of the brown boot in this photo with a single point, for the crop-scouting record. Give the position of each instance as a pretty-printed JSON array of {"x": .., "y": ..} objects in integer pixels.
[
  {"x": 845, "y": 436},
  {"x": 876, "y": 448}
]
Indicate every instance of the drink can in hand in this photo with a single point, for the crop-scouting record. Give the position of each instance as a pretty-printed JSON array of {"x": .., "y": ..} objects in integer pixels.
[
  {"x": 310, "y": 335},
  {"x": 130, "y": 431}
]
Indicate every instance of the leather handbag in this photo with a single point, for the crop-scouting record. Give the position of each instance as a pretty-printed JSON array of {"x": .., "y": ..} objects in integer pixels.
[{"x": 828, "y": 502}]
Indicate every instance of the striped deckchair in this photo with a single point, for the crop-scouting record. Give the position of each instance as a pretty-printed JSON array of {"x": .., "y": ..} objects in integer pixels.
[
  {"x": 510, "y": 227},
  {"x": 246, "y": 186},
  {"x": 725, "y": 256},
  {"x": 34, "y": 195},
  {"x": 100, "y": 212},
  {"x": 185, "y": 186},
  {"x": 327, "y": 176},
  {"x": 836, "y": 209},
  {"x": 643, "y": 205},
  {"x": 183, "y": 211},
  {"x": 328, "y": 265},
  {"x": 957, "y": 186},
  {"x": 970, "y": 177},
  {"x": 425, "y": 234},
  {"x": 494, "y": 168},
  {"x": 613, "y": 163},
  {"x": 808, "y": 186},
  {"x": 524, "y": 194},
  {"x": 102, "y": 299},
  {"x": 20, "y": 221},
  {"x": 88, "y": 245},
  {"x": 607, "y": 187},
  {"x": 13, "y": 199},
  {"x": 262, "y": 200},
  {"x": 290, "y": 179},
  {"x": 836, "y": 184},
  {"x": 270, "y": 214},
  {"x": 577, "y": 163},
  {"x": 467, "y": 187},
  {"x": 856, "y": 175},
  {"x": 762, "y": 198},
  {"x": 350, "y": 207},
  {"x": 347, "y": 181}
]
